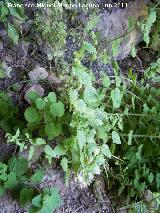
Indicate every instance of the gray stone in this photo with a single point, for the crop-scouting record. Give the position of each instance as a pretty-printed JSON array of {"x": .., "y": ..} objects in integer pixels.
[
  {"x": 37, "y": 74},
  {"x": 116, "y": 25}
]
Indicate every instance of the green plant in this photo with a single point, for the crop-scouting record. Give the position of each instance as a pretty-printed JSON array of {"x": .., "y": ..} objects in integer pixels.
[
  {"x": 17, "y": 177},
  {"x": 150, "y": 203},
  {"x": 152, "y": 72},
  {"x": 54, "y": 33},
  {"x": 24, "y": 142},
  {"x": 18, "y": 17},
  {"x": 117, "y": 122},
  {"x": 47, "y": 202},
  {"x": 91, "y": 128},
  {"x": 146, "y": 27},
  {"x": 9, "y": 120},
  {"x": 155, "y": 37},
  {"x": 45, "y": 115},
  {"x": 138, "y": 166}
]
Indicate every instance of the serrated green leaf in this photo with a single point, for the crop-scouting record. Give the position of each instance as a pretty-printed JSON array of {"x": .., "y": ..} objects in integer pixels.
[
  {"x": 118, "y": 81},
  {"x": 31, "y": 152},
  {"x": 26, "y": 196},
  {"x": 3, "y": 170},
  {"x": 89, "y": 48},
  {"x": 83, "y": 77},
  {"x": 139, "y": 152},
  {"x": 40, "y": 141},
  {"x": 64, "y": 164},
  {"x": 95, "y": 168},
  {"x": 13, "y": 34},
  {"x": 106, "y": 151},
  {"x": 38, "y": 176},
  {"x": 40, "y": 104},
  {"x": 38, "y": 201},
  {"x": 92, "y": 23},
  {"x": 150, "y": 177},
  {"x": 57, "y": 109},
  {"x": 90, "y": 95},
  {"x": 3, "y": 177},
  {"x": 59, "y": 151},
  {"x": 115, "y": 137},
  {"x": 18, "y": 165},
  {"x": 91, "y": 148},
  {"x": 4, "y": 96},
  {"x": 146, "y": 28},
  {"x": 99, "y": 160},
  {"x": 81, "y": 138},
  {"x": 116, "y": 97},
  {"x": 52, "y": 97},
  {"x": 51, "y": 201},
  {"x": 47, "y": 116},
  {"x": 73, "y": 94},
  {"x": 106, "y": 81},
  {"x": 31, "y": 114},
  {"x": 146, "y": 109},
  {"x": 91, "y": 136},
  {"x": 51, "y": 131},
  {"x": 49, "y": 151},
  {"x": 11, "y": 181},
  {"x": 17, "y": 12},
  {"x": 3, "y": 11}
]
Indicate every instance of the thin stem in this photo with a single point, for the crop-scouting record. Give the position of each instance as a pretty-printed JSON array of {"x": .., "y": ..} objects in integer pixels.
[
  {"x": 142, "y": 136},
  {"x": 133, "y": 94},
  {"x": 129, "y": 114}
]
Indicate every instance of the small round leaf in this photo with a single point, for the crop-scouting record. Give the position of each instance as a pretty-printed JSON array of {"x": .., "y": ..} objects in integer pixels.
[{"x": 31, "y": 114}]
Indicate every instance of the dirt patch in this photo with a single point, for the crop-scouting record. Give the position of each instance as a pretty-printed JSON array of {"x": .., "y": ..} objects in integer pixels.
[{"x": 74, "y": 198}]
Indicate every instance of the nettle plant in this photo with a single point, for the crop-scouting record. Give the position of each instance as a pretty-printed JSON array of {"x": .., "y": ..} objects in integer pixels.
[
  {"x": 117, "y": 120},
  {"x": 91, "y": 127},
  {"x": 45, "y": 115},
  {"x": 17, "y": 177},
  {"x": 85, "y": 149}
]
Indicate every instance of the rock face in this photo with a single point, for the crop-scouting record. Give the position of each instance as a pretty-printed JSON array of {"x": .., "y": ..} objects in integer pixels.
[
  {"x": 37, "y": 74},
  {"x": 116, "y": 25}
]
